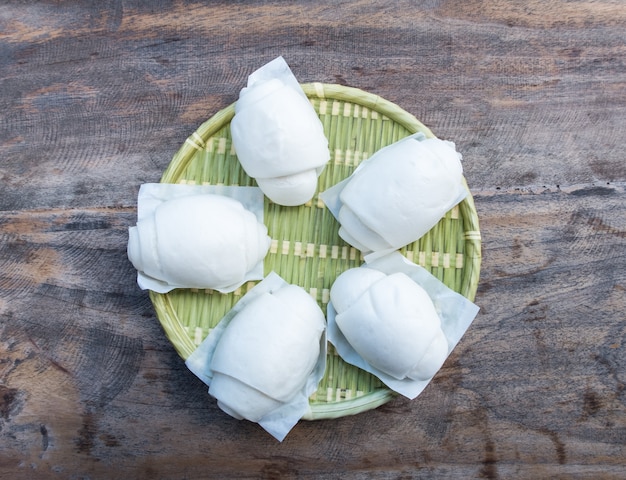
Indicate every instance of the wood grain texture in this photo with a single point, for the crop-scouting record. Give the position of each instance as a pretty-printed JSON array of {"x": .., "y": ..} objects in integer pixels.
[{"x": 96, "y": 97}]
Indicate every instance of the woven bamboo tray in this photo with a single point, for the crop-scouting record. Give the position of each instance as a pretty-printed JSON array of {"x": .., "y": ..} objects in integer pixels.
[{"x": 306, "y": 249}]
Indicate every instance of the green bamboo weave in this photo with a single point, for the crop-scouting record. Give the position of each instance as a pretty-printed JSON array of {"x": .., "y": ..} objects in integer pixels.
[{"x": 306, "y": 249}]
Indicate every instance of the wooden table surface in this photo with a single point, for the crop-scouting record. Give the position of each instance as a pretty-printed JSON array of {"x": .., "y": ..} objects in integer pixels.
[{"x": 95, "y": 99}]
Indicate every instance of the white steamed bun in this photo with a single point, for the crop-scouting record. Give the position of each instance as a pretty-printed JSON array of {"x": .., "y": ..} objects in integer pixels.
[
  {"x": 267, "y": 353},
  {"x": 198, "y": 241},
  {"x": 400, "y": 193},
  {"x": 279, "y": 138},
  {"x": 390, "y": 321}
]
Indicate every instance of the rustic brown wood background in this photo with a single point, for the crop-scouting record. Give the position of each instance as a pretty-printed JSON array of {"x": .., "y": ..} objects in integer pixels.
[{"x": 96, "y": 97}]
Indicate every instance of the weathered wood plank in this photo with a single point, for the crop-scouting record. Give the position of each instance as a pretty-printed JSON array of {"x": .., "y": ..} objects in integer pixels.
[
  {"x": 537, "y": 383},
  {"x": 520, "y": 100}
]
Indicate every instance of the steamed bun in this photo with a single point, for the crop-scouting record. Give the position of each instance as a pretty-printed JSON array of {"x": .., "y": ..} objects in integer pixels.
[
  {"x": 390, "y": 321},
  {"x": 267, "y": 353},
  {"x": 278, "y": 137},
  {"x": 400, "y": 193},
  {"x": 198, "y": 241}
]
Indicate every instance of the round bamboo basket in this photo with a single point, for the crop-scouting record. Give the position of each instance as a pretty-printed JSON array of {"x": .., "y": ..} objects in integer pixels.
[{"x": 306, "y": 248}]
